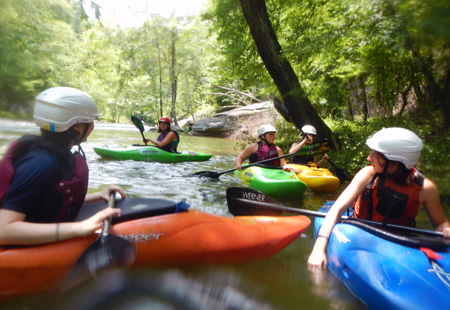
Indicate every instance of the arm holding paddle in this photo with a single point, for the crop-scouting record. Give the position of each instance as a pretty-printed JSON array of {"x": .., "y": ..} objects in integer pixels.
[
  {"x": 392, "y": 175},
  {"x": 104, "y": 194},
  {"x": 318, "y": 257},
  {"x": 263, "y": 150},
  {"x": 245, "y": 154},
  {"x": 167, "y": 140},
  {"x": 14, "y": 230},
  {"x": 308, "y": 135},
  {"x": 249, "y": 150}
]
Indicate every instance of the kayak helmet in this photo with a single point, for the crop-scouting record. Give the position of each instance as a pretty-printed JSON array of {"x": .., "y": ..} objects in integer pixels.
[
  {"x": 57, "y": 109},
  {"x": 165, "y": 119},
  {"x": 308, "y": 129},
  {"x": 266, "y": 128},
  {"x": 397, "y": 144}
]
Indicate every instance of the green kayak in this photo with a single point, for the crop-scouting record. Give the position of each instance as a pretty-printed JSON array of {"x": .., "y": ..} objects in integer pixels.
[
  {"x": 150, "y": 153},
  {"x": 271, "y": 181}
]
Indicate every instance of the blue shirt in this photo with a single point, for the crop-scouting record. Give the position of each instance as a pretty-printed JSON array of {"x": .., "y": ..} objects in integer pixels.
[{"x": 32, "y": 190}]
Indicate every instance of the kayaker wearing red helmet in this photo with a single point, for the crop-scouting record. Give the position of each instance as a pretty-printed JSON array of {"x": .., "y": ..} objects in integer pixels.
[
  {"x": 390, "y": 190},
  {"x": 43, "y": 184},
  {"x": 263, "y": 149},
  {"x": 168, "y": 139}
]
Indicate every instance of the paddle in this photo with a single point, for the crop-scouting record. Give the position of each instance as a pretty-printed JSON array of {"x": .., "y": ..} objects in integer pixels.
[
  {"x": 247, "y": 201},
  {"x": 342, "y": 174},
  {"x": 323, "y": 146},
  {"x": 107, "y": 251},
  {"x": 215, "y": 175},
  {"x": 138, "y": 123}
]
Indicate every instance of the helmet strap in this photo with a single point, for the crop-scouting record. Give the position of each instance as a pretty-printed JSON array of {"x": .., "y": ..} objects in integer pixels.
[
  {"x": 265, "y": 140},
  {"x": 83, "y": 135}
]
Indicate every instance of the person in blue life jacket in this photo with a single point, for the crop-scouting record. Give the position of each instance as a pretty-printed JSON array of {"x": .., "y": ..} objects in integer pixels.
[
  {"x": 309, "y": 134},
  {"x": 168, "y": 138},
  {"x": 44, "y": 179},
  {"x": 389, "y": 190},
  {"x": 263, "y": 149}
]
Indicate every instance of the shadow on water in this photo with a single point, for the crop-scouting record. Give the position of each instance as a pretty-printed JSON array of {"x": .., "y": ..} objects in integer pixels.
[{"x": 282, "y": 282}]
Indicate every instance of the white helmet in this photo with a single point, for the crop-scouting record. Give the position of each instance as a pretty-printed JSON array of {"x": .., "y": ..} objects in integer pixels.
[
  {"x": 266, "y": 128},
  {"x": 397, "y": 144},
  {"x": 59, "y": 108},
  {"x": 308, "y": 129}
]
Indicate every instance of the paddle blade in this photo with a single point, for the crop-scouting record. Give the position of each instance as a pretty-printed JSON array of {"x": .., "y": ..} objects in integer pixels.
[
  {"x": 342, "y": 174},
  {"x": 206, "y": 174},
  {"x": 247, "y": 201},
  {"x": 138, "y": 123},
  {"x": 106, "y": 252}
]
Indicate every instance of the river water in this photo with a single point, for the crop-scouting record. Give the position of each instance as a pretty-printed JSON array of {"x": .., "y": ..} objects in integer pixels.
[{"x": 282, "y": 282}]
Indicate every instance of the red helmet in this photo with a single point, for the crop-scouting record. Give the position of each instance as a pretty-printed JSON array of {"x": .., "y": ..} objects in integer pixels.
[{"x": 165, "y": 119}]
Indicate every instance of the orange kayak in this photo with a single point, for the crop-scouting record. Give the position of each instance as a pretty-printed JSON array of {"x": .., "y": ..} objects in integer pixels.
[{"x": 175, "y": 239}]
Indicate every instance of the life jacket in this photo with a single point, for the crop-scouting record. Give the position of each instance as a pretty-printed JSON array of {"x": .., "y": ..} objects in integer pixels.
[
  {"x": 301, "y": 160},
  {"x": 389, "y": 202},
  {"x": 264, "y": 152},
  {"x": 172, "y": 146},
  {"x": 72, "y": 186},
  {"x": 6, "y": 170}
]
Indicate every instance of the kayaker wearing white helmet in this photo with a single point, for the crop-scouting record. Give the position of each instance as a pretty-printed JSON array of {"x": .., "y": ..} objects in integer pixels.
[
  {"x": 42, "y": 182},
  {"x": 390, "y": 190},
  {"x": 168, "y": 138},
  {"x": 263, "y": 149},
  {"x": 309, "y": 133}
]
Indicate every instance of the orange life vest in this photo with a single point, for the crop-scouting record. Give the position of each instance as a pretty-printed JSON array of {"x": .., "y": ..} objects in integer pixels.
[{"x": 386, "y": 201}]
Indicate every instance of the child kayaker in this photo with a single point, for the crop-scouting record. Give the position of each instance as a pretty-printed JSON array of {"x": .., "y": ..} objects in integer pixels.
[
  {"x": 168, "y": 139},
  {"x": 309, "y": 133},
  {"x": 43, "y": 183},
  {"x": 389, "y": 190},
  {"x": 263, "y": 149}
]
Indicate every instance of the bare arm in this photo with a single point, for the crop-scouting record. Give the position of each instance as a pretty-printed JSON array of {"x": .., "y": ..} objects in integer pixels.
[
  {"x": 317, "y": 257},
  {"x": 104, "y": 194},
  {"x": 246, "y": 153},
  {"x": 322, "y": 161},
  {"x": 299, "y": 145},
  {"x": 429, "y": 196},
  {"x": 15, "y": 231},
  {"x": 167, "y": 139}
]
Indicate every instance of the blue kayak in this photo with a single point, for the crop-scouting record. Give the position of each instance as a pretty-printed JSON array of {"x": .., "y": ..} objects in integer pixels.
[{"x": 385, "y": 274}]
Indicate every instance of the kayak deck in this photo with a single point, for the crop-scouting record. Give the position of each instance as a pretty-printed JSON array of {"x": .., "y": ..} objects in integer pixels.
[
  {"x": 150, "y": 153},
  {"x": 385, "y": 274},
  {"x": 271, "y": 181},
  {"x": 186, "y": 238},
  {"x": 317, "y": 179}
]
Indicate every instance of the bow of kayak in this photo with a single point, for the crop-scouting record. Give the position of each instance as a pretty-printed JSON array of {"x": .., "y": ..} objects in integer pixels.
[
  {"x": 271, "y": 181},
  {"x": 150, "y": 153},
  {"x": 385, "y": 274},
  {"x": 175, "y": 239},
  {"x": 317, "y": 179}
]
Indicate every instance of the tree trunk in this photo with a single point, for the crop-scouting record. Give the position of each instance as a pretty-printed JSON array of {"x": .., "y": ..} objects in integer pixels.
[
  {"x": 160, "y": 80},
  {"x": 174, "y": 78},
  {"x": 294, "y": 100}
]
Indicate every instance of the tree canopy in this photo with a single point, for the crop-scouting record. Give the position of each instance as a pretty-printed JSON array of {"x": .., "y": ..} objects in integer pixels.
[{"x": 354, "y": 59}]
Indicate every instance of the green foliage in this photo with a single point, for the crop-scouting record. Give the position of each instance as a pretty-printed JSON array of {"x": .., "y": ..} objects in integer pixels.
[{"x": 353, "y": 151}]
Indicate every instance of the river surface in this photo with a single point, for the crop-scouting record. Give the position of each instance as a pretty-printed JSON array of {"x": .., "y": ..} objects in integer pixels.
[{"x": 282, "y": 282}]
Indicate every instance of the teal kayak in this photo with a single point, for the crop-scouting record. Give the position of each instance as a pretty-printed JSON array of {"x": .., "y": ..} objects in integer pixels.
[
  {"x": 150, "y": 153},
  {"x": 271, "y": 181}
]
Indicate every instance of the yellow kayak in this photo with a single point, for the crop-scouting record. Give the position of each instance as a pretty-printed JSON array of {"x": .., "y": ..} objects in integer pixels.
[{"x": 317, "y": 179}]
